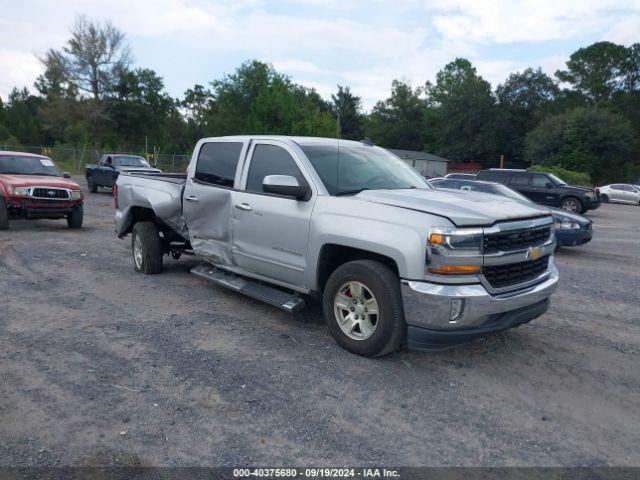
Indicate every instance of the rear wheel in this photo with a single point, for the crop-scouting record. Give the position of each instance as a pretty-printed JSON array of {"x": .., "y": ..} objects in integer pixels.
[
  {"x": 74, "y": 219},
  {"x": 571, "y": 204},
  {"x": 93, "y": 188},
  {"x": 4, "y": 215},
  {"x": 363, "y": 308},
  {"x": 146, "y": 246}
]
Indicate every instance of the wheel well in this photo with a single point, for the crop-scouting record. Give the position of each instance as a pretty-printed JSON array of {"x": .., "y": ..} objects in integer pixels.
[
  {"x": 141, "y": 214},
  {"x": 333, "y": 256}
]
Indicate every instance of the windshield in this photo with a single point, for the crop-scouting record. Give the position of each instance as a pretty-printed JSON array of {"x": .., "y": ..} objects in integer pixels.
[
  {"x": 132, "y": 161},
  {"x": 19, "y": 165},
  {"x": 349, "y": 168},
  {"x": 557, "y": 180}
]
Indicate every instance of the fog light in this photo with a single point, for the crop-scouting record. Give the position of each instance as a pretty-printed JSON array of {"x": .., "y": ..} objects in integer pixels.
[{"x": 457, "y": 307}]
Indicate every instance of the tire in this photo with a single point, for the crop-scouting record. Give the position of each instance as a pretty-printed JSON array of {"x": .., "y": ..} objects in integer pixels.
[
  {"x": 74, "y": 219},
  {"x": 146, "y": 246},
  {"x": 93, "y": 188},
  {"x": 604, "y": 198},
  {"x": 4, "y": 215},
  {"x": 382, "y": 285},
  {"x": 571, "y": 204}
]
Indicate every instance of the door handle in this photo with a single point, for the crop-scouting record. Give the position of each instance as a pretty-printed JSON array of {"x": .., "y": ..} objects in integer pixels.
[
  {"x": 244, "y": 206},
  {"x": 191, "y": 199}
]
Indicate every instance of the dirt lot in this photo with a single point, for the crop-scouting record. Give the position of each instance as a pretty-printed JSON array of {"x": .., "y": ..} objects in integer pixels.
[{"x": 101, "y": 365}]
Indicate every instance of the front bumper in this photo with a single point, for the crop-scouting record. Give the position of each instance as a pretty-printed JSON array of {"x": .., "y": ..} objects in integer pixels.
[
  {"x": 36, "y": 208},
  {"x": 573, "y": 237},
  {"x": 427, "y": 309},
  {"x": 590, "y": 204}
]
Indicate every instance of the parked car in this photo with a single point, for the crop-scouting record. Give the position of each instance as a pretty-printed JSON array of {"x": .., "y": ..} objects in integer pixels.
[
  {"x": 620, "y": 193},
  {"x": 572, "y": 229},
  {"x": 390, "y": 258},
  {"x": 111, "y": 165},
  {"x": 31, "y": 187},
  {"x": 461, "y": 176},
  {"x": 544, "y": 188}
]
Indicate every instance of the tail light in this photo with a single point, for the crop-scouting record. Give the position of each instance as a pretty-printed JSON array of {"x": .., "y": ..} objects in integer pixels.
[{"x": 115, "y": 195}]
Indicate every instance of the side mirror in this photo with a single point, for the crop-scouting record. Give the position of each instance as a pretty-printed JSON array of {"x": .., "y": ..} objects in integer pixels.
[
  {"x": 66, "y": 174},
  {"x": 549, "y": 185},
  {"x": 284, "y": 185}
]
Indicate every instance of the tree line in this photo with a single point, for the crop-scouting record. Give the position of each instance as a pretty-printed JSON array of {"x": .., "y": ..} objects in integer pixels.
[{"x": 586, "y": 118}]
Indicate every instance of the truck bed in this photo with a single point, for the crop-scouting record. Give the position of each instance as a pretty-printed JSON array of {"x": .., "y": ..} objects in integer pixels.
[{"x": 159, "y": 192}]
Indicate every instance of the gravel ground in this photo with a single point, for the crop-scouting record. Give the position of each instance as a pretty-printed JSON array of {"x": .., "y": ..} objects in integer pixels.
[{"x": 100, "y": 365}]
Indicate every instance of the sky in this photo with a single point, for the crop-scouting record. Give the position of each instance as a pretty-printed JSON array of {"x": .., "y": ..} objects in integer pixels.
[{"x": 322, "y": 43}]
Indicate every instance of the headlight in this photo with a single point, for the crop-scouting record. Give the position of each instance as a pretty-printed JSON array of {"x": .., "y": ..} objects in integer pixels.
[
  {"x": 19, "y": 191},
  {"x": 75, "y": 194},
  {"x": 456, "y": 241},
  {"x": 566, "y": 226},
  {"x": 590, "y": 195}
]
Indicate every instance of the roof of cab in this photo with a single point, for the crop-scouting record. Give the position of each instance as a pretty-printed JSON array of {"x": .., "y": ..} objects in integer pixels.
[
  {"x": 284, "y": 138},
  {"x": 21, "y": 154}
]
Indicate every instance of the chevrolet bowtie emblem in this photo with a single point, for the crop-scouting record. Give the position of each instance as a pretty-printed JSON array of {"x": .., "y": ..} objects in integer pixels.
[{"x": 534, "y": 253}]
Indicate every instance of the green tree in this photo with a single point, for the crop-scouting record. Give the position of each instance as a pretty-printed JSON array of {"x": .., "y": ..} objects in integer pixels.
[
  {"x": 464, "y": 114},
  {"x": 140, "y": 108},
  {"x": 398, "y": 121},
  {"x": 596, "y": 71},
  {"x": 257, "y": 99},
  {"x": 21, "y": 117},
  {"x": 90, "y": 63},
  {"x": 589, "y": 140},
  {"x": 347, "y": 108},
  {"x": 521, "y": 99}
]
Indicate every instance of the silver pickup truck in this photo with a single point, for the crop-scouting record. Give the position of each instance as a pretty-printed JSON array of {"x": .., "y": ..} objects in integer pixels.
[{"x": 393, "y": 261}]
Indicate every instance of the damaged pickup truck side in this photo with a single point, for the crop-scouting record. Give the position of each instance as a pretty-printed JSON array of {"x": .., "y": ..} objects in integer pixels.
[{"x": 391, "y": 259}]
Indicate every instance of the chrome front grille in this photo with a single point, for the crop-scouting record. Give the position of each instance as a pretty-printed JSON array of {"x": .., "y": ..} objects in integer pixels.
[
  {"x": 50, "y": 193},
  {"x": 509, "y": 241}
]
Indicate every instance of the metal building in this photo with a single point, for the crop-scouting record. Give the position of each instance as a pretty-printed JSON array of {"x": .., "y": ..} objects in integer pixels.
[{"x": 426, "y": 164}]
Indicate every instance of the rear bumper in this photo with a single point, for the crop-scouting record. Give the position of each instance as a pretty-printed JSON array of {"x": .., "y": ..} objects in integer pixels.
[{"x": 428, "y": 309}]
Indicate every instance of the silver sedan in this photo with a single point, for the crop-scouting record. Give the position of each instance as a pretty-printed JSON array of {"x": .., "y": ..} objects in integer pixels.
[{"x": 620, "y": 193}]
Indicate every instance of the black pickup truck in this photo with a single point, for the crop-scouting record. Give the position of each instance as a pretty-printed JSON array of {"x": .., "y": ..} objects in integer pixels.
[
  {"x": 544, "y": 189},
  {"x": 111, "y": 165}
]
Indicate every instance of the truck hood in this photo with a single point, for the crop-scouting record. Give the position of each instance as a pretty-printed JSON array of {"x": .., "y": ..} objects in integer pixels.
[
  {"x": 139, "y": 169},
  {"x": 38, "y": 180},
  {"x": 463, "y": 208},
  {"x": 581, "y": 189}
]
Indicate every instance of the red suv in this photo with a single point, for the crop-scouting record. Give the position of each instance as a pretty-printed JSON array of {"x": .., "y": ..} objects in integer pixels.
[{"x": 31, "y": 186}]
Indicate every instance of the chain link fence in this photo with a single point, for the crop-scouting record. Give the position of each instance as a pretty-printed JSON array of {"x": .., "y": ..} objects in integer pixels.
[{"x": 74, "y": 159}]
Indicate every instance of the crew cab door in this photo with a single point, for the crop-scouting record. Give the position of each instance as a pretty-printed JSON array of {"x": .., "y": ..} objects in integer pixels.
[
  {"x": 207, "y": 198},
  {"x": 542, "y": 190},
  {"x": 271, "y": 232},
  {"x": 103, "y": 175}
]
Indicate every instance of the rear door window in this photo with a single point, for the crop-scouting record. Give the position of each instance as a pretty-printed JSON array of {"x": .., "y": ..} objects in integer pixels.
[
  {"x": 520, "y": 180},
  {"x": 217, "y": 163},
  {"x": 539, "y": 181}
]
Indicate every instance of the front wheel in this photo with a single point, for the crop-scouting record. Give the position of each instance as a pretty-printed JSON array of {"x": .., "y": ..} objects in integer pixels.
[
  {"x": 362, "y": 305},
  {"x": 571, "y": 204},
  {"x": 4, "y": 215},
  {"x": 146, "y": 246},
  {"x": 74, "y": 219},
  {"x": 604, "y": 198}
]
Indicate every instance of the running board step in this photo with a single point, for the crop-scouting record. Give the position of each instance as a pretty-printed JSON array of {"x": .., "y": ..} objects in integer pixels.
[{"x": 288, "y": 302}]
